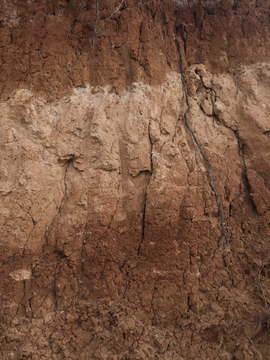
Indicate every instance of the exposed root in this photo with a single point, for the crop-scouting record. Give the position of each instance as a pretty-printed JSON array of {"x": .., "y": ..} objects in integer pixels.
[
  {"x": 195, "y": 141},
  {"x": 95, "y": 30},
  {"x": 197, "y": 162}
]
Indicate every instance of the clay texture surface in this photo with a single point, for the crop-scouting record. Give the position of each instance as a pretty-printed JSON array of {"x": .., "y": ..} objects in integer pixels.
[{"x": 110, "y": 235}]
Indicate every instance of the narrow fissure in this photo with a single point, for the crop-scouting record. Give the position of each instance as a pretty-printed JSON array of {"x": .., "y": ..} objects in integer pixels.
[
  {"x": 195, "y": 141},
  {"x": 145, "y": 196}
]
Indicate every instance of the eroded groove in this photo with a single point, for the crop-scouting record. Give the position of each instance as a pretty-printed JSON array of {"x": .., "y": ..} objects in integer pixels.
[
  {"x": 194, "y": 136},
  {"x": 145, "y": 197}
]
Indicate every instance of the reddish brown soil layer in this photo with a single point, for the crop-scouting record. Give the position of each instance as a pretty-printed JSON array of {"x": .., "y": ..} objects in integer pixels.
[
  {"x": 111, "y": 294},
  {"x": 45, "y": 45}
]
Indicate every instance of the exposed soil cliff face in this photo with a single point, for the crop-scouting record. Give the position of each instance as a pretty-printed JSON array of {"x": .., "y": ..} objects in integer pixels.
[{"x": 111, "y": 244}]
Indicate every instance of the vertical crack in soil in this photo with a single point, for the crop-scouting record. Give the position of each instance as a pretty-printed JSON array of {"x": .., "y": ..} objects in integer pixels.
[
  {"x": 194, "y": 136},
  {"x": 145, "y": 196}
]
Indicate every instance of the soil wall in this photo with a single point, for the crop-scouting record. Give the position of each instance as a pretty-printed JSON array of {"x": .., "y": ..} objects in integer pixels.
[{"x": 111, "y": 239}]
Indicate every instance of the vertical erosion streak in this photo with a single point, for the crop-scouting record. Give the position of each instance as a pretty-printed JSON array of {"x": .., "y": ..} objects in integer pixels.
[
  {"x": 195, "y": 141},
  {"x": 145, "y": 196}
]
